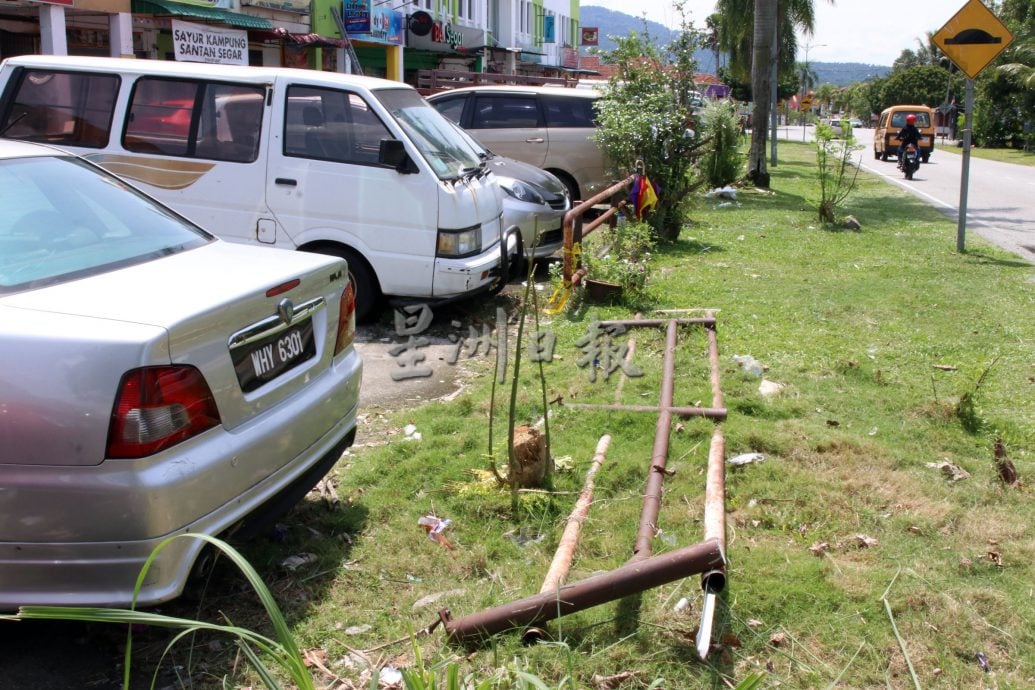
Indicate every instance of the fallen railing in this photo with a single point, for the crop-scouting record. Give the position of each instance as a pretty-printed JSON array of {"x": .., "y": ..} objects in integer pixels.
[{"x": 643, "y": 570}]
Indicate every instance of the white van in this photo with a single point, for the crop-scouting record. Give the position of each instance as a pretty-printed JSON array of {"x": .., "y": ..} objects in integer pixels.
[{"x": 352, "y": 166}]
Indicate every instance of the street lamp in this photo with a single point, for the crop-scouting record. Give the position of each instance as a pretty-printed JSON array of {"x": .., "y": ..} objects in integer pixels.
[{"x": 804, "y": 77}]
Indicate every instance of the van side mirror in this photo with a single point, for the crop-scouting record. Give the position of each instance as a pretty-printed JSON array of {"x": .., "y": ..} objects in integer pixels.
[{"x": 392, "y": 152}]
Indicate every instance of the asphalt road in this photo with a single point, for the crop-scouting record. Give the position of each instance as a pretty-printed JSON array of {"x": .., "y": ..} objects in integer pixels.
[{"x": 1000, "y": 198}]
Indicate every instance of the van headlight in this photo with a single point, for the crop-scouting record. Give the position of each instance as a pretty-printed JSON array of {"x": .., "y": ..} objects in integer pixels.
[
  {"x": 456, "y": 244},
  {"x": 521, "y": 191}
]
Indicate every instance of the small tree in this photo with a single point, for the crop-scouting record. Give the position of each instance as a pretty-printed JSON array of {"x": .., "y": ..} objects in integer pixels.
[
  {"x": 644, "y": 115},
  {"x": 835, "y": 169}
]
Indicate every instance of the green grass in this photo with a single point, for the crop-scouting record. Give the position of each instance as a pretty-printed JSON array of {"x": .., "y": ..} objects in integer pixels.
[
  {"x": 859, "y": 327},
  {"x": 1003, "y": 155}
]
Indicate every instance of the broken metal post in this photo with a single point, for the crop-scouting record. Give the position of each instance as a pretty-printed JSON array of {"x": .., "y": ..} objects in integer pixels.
[
  {"x": 656, "y": 476},
  {"x": 561, "y": 564},
  {"x": 628, "y": 579}
]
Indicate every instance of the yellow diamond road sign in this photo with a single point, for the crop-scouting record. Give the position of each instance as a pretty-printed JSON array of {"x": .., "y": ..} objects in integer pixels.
[
  {"x": 973, "y": 38},
  {"x": 806, "y": 103}
]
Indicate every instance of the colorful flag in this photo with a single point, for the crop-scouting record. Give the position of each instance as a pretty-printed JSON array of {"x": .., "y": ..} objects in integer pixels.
[{"x": 643, "y": 196}]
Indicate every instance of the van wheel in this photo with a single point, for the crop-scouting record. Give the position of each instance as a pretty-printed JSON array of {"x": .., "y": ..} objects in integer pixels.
[
  {"x": 926, "y": 157},
  {"x": 884, "y": 155},
  {"x": 876, "y": 154},
  {"x": 364, "y": 283}
]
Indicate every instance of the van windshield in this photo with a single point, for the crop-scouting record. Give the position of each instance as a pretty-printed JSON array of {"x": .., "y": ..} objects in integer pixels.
[{"x": 445, "y": 151}]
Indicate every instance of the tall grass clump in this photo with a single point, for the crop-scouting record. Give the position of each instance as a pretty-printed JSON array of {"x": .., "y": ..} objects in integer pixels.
[
  {"x": 722, "y": 159},
  {"x": 259, "y": 649}
]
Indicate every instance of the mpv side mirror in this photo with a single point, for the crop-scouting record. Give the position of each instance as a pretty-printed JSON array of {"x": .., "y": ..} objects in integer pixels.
[{"x": 392, "y": 152}]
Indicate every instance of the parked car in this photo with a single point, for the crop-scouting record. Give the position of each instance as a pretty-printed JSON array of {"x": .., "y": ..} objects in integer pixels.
[
  {"x": 548, "y": 127},
  {"x": 534, "y": 204},
  {"x": 157, "y": 381}
]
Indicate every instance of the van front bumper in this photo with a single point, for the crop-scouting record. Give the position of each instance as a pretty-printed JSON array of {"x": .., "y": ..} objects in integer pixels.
[{"x": 456, "y": 278}]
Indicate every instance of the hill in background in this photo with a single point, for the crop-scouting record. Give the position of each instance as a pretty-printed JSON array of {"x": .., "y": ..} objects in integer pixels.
[{"x": 612, "y": 23}]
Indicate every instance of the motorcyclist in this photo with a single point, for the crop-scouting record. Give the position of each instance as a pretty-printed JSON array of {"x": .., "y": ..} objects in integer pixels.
[{"x": 908, "y": 135}]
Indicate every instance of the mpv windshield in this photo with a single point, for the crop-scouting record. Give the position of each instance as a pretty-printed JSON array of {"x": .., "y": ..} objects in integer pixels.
[
  {"x": 61, "y": 219},
  {"x": 447, "y": 154}
]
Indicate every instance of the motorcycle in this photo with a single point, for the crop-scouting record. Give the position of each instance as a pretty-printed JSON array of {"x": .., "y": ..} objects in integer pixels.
[{"x": 910, "y": 161}]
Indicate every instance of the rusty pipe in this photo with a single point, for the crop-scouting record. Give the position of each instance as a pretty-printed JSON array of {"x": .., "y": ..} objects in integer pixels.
[
  {"x": 713, "y": 359},
  {"x": 703, "y": 321},
  {"x": 628, "y": 579},
  {"x": 561, "y": 563},
  {"x": 659, "y": 454},
  {"x": 572, "y": 225},
  {"x": 717, "y": 413}
]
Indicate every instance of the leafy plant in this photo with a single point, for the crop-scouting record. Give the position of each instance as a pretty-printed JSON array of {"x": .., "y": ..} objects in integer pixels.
[
  {"x": 621, "y": 256},
  {"x": 645, "y": 116},
  {"x": 835, "y": 170}
]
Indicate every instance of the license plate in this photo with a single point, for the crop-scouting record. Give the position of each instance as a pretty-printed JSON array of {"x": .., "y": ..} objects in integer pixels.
[
  {"x": 925, "y": 140},
  {"x": 260, "y": 362}
]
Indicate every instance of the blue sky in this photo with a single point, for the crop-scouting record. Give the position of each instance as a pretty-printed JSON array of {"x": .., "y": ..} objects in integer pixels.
[{"x": 870, "y": 31}]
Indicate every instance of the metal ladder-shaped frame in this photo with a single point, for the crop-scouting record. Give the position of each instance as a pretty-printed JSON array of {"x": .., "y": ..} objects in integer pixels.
[{"x": 356, "y": 68}]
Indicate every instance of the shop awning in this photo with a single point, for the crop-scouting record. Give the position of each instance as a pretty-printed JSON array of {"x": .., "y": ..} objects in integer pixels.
[
  {"x": 168, "y": 8},
  {"x": 306, "y": 40}
]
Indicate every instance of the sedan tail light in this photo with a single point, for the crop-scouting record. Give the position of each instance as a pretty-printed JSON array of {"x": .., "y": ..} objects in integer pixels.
[
  {"x": 158, "y": 407},
  {"x": 346, "y": 319}
]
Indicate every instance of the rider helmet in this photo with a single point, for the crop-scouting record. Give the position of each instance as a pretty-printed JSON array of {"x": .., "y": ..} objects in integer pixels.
[{"x": 910, "y": 119}]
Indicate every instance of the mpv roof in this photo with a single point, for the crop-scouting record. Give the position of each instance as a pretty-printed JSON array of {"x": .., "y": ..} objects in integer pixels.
[
  {"x": 200, "y": 69},
  {"x": 517, "y": 88}
]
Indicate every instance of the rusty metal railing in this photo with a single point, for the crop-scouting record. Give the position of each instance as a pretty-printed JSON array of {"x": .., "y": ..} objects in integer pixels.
[
  {"x": 644, "y": 570},
  {"x": 575, "y": 229}
]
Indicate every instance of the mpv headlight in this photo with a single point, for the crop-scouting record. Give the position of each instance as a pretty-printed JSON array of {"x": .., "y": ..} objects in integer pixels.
[
  {"x": 521, "y": 191},
  {"x": 459, "y": 243}
]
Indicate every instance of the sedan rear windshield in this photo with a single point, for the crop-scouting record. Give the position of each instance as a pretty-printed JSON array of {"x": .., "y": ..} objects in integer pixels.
[{"x": 62, "y": 219}]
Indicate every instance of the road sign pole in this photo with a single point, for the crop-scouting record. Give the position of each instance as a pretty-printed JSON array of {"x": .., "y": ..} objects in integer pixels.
[{"x": 968, "y": 123}]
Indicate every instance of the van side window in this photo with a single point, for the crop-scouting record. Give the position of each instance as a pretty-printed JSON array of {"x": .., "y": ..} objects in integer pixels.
[
  {"x": 195, "y": 119},
  {"x": 62, "y": 108},
  {"x": 505, "y": 111},
  {"x": 568, "y": 112},
  {"x": 332, "y": 125}
]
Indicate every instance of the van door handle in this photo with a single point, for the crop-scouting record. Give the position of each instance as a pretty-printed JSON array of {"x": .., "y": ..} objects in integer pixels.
[
  {"x": 535, "y": 140},
  {"x": 286, "y": 181}
]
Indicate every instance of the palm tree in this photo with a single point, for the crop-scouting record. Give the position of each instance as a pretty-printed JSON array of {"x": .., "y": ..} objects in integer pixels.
[
  {"x": 780, "y": 18},
  {"x": 713, "y": 36},
  {"x": 825, "y": 95},
  {"x": 1023, "y": 66},
  {"x": 762, "y": 41}
]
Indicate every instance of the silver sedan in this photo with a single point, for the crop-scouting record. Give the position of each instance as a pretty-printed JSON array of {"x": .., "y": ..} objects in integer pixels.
[{"x": 156, "y": 381}]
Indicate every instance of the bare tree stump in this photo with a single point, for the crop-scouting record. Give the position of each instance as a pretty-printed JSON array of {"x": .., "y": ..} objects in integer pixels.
[{"x": 528, "y": 468}]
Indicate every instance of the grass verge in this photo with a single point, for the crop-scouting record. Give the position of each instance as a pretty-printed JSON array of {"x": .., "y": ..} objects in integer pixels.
[
  {"x": 852, "y": 562},
  {"x": 1003, "y": 155}
]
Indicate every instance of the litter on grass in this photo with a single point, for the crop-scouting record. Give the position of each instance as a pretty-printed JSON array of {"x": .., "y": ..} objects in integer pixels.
[
  {"x": 746, "y": 459},
  {"x": 952, "y": 472},
  {"x": 295, "y": 562},
  {"x": 749, "y": 365},
  {"x": 769, "y": 389},
  {"x": 435, "y": 527}
]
